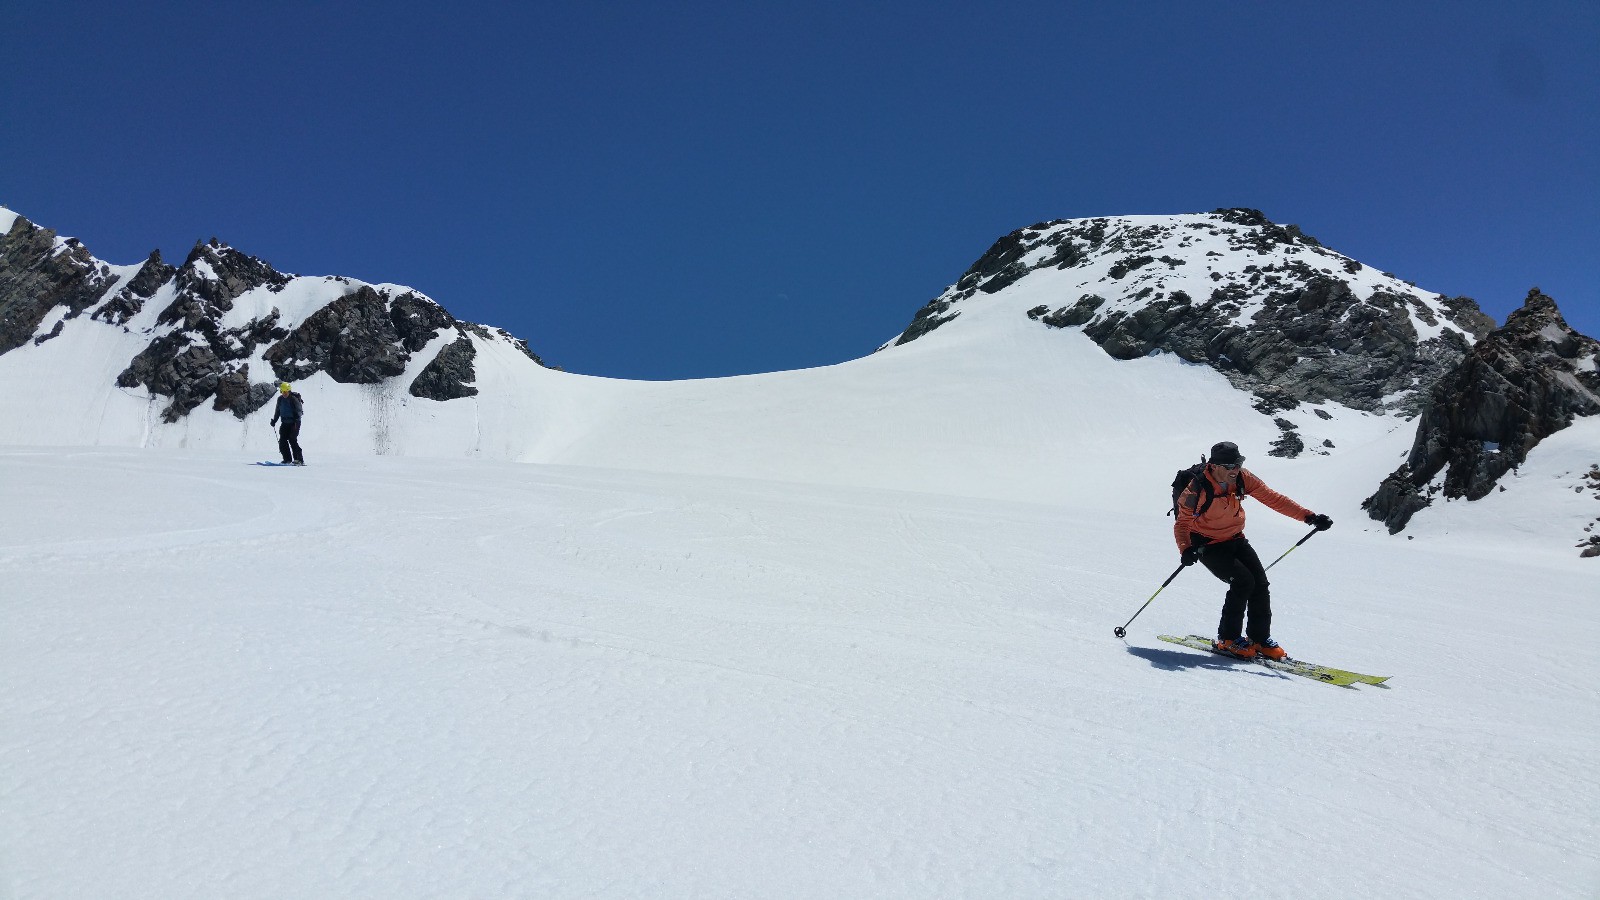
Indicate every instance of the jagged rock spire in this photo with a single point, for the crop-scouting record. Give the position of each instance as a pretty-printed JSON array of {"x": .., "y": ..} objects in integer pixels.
[{"x": 1524, "y": 382}]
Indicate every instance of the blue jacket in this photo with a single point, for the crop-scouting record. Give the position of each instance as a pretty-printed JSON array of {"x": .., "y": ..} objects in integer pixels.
[{"x": 289, "y": 408}]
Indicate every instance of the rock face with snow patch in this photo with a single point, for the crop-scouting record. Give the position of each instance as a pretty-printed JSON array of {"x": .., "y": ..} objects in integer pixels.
[
  {"x": 202, "y": 342},
  {"x": 361, "y": 338},
  {"x": 1266, "y": 305},
  {"x": 196, "y": 358},
  {"x": 450, "y": 375},
  {"x": 40, "y": 272},
  {"x": 1516, "y": 387},
  {"x": 130, "y": 300}
]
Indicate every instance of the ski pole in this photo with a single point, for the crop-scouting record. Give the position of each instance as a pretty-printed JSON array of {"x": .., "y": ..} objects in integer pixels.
[
  {"x": 1291, "y": 549},
  {"x": 1122, "y": 630}
]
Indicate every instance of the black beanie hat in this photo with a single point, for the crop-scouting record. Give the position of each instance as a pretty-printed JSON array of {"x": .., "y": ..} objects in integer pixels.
[{"x": 1225, "y": 454}]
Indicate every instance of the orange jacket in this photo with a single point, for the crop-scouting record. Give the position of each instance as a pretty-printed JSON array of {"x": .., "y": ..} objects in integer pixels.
[{"x": 1224, "y": 519}]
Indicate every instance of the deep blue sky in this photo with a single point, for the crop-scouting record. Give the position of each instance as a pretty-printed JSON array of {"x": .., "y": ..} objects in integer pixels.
[{"x": 694, "y": 189}]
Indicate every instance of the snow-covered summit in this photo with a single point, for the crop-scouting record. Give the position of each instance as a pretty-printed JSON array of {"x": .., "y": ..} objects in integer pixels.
[{"x": 1265, "y": 304}]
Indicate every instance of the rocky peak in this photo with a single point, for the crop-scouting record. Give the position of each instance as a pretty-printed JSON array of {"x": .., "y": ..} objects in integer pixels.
[
  {"x": 130, "y": 300},
  {"x": 39, "y": 272},
  {"x": 1538, "y": 328},
  {"x": 201, "y": 345},
  {"x": 1522, "y": 383},
  {"x": 1267, "y": 305},
  {"x": 211, "y": 278},
  {"x": 364, "y": 336},
  {"x": 198, "y": 359}
]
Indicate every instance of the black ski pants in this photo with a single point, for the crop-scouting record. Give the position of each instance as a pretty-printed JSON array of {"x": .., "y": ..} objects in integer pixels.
[
  {"x": 289, "y": 442},
  {"x": 1236, "y": 562}
]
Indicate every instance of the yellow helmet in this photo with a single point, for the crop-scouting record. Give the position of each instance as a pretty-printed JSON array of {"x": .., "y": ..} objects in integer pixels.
[{"x": 283, "y": 386}]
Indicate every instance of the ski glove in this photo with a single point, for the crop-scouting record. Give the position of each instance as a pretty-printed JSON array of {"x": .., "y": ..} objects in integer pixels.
[
  {"x": 1319, "y": 521},
  {"x": 273, "y": 423},
  {"x": 1191, "y": 555}
]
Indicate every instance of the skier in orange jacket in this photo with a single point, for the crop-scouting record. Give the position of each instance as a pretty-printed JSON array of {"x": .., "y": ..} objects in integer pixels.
[{"x": 1209, "y": 529}]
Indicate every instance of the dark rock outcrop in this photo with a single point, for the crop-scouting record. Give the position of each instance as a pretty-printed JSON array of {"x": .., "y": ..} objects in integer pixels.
[
  {"x": 418, "y": 320},
  {"x": 999, "y": 267},
  {"x": 36, "y": 276},
  {"x": 176, "y": 366},
  {"x": 211, "y": 278},
  {"x": 1077, "y": 314},
  {"x": 363, "y": 337},
  {"x": 995, "y": 270},
  {"x": 237, "y": 395},
  {"x": 1289, "y": 444},
  {"x": 1310, "y": 341},
  {"x": 129, "y": 301},
  {"x": 450, "y": 375},
  {"x": 1516, "y": 387},
  {"x": 1289, "y": 328},
  {"x": 927, "y": 319},
  {"x": 199, "y": 359},
  {"x": 1589, "y": 547},
  {"x": 353, "y": 339}
]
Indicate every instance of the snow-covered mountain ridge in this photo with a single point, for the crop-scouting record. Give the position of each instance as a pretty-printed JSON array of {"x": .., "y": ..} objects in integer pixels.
[
  {"x": 1063, "y": 343},
  {"x": 1268, "y": 306},
  {"x": 205, "y": 322},
  {"x": 841, "y": 632}
]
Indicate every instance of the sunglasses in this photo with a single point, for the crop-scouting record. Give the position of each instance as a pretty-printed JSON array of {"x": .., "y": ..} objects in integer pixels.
[{"x": 1231, "y": 467}]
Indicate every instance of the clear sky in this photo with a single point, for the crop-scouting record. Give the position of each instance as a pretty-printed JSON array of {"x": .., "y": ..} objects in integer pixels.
[{"x": 655, "y": 190}]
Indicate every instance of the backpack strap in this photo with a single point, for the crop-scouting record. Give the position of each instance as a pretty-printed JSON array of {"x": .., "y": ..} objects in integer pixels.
[
  {"x": 1184, "y": 480},
  {"x": 1210, "y": 492}
]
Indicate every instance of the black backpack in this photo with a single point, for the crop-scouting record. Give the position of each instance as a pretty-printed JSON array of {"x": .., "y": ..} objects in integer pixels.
[{"x": 1196, "y": 474}]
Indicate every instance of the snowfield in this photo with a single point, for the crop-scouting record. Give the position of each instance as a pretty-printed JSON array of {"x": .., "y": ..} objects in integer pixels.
[
  {"x": 414, "y": 678},
  {"x": 424, "y": 678},
  {"x": 842, "y": 632}
]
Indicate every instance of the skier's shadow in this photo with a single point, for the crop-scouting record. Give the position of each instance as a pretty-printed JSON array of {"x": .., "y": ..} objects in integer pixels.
[{"x": 1176, "y": 660}]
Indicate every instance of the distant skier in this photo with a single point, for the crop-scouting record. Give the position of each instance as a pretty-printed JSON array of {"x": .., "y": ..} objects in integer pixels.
[
  {"x": 290, "y": 410},
  {"x": 1210, "y": 530}
]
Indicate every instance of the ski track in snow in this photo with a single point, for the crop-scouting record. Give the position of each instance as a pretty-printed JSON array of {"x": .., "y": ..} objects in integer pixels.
[{"x": 419, "y": 678}]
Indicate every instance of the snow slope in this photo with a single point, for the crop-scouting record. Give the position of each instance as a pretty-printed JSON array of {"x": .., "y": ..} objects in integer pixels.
[
  {"x": 422, "y": 678},
  {"x": 997, "y": 408},
  {"x": 835, "y": 632},
  {"x": 1011, "y": 383},
  {"x": 991, "y": 405}
]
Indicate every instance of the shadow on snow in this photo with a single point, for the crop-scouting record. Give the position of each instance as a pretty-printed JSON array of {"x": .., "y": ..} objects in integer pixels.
[{"x": 1176, "y": 660}]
